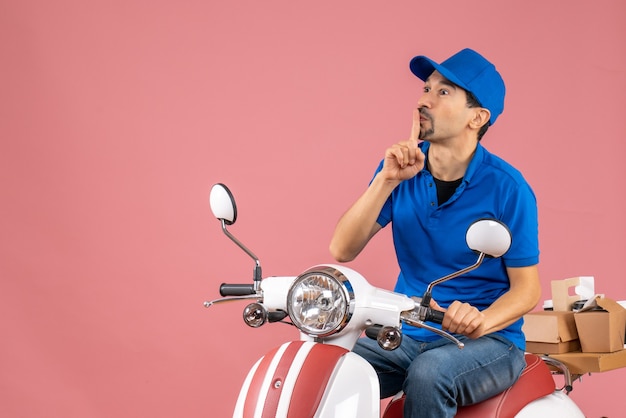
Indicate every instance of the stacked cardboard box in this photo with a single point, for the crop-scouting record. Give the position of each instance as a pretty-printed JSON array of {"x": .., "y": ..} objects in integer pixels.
[
  {"x": 551, "y": 332},
  {"x": 601, "y": 325},
  {"x": 590, "y": 340}
]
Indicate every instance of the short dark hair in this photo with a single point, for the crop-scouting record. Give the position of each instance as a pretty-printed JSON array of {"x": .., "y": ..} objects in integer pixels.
[{"x": 473, "y": 102}]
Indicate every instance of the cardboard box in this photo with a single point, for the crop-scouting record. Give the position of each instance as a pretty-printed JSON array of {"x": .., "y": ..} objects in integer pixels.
[
  {"x": 601, "y": 326},
  {"x": 550, "y": 332},
  {"x": 550, "y": 326},
  {"x": 582, "y": 363},
  {"x": 552, "y": 348}
]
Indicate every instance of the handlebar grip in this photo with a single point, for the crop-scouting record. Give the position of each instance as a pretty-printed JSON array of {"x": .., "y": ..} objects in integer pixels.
[
  {"x": 435, "y": 316},
  {"x": 227, "y": 289},
  {"x": 372, "y": 332}
]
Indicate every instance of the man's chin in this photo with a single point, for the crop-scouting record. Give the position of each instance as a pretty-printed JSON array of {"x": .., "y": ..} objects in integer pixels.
[{"x": 426, "y": 135}]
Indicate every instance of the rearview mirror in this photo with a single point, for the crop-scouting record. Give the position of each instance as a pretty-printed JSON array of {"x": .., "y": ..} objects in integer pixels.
[
  {"x": 489, "y": 236},
  {"x": 223, "y": 204}
]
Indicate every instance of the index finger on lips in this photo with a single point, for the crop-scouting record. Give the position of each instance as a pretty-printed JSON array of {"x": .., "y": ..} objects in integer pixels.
[{"x": 415, "y": 128}]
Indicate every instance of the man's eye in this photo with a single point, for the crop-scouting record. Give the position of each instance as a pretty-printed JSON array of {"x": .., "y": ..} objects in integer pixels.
[
  {"x": 444, "y": 92},
  {"x": 426, "y": 89}
]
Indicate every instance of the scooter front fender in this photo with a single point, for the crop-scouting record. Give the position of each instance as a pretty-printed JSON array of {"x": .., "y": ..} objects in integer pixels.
[{"x": 309, "y": 379}]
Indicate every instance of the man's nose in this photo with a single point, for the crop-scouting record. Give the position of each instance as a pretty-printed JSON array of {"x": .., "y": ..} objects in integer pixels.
[{"x": 424, "y": 101}]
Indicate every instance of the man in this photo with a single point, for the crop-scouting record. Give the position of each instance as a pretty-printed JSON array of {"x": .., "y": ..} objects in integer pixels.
[{"x": 430, "y": 192}]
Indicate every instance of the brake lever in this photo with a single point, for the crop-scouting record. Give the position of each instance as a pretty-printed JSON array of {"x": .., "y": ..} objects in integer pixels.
[
  {"x": 416, "y": 318},
  {"x": 208, "y": 304}
]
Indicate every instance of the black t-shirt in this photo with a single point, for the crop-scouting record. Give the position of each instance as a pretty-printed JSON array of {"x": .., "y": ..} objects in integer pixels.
[{"x": 445, "y": 189}]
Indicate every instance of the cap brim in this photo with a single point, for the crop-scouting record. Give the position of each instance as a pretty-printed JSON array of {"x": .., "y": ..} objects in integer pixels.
[{"x": 423, "y": 67}]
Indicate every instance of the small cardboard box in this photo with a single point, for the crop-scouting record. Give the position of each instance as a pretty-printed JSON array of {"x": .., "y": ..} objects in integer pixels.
[
  {"x": 601, "y": 326},
  {"x": 550, "y": 332}
]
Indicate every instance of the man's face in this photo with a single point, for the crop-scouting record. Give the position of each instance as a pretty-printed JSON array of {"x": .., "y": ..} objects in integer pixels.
[{"x": 443, "y": 109}]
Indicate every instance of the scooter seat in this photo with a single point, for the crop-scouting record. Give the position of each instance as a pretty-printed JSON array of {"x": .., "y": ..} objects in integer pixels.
[{"x": 534, "y": 383}]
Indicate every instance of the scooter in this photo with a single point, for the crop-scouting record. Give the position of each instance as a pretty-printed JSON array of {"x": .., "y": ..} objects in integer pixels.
[{"x": 332, "y": 306}]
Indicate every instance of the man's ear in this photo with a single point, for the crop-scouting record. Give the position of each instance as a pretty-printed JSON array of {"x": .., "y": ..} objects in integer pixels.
[{"x": 481, "y": 117}]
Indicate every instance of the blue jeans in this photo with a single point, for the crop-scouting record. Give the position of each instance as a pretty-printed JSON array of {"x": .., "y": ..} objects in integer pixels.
[{"x": 437, "y": 376}]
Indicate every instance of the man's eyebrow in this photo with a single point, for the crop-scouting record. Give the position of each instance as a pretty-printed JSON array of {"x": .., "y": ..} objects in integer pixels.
[
  {"x": 443, "y": 81},
  {"x": 448, "y": 83}
]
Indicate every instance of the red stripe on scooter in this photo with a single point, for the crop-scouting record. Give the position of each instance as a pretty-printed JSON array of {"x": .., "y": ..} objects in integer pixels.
[
  {"x": 313, "y": 379},
  {"x": 273, "y": 394},
  {"x": 254, "y": 396},
  {"x": 254, "y": 390}
]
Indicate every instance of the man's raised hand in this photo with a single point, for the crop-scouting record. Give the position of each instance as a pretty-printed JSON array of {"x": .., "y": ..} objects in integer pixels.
[{"x": 405, "y": 159}]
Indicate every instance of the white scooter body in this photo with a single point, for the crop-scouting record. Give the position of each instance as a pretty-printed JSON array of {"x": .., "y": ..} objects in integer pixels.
[{"x": 312, "y": 379}]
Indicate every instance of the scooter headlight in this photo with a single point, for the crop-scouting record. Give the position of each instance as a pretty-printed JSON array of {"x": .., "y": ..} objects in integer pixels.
[{"x": 320, "y": 301}]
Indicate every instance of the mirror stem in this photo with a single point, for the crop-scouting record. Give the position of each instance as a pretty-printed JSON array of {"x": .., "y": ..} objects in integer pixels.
[
  {"x": 428, "y": 294},
  {"x": 257, "y": 274}
]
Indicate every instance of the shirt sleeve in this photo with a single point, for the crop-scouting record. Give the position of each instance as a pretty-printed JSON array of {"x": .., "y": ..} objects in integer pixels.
[
  {"x": 520, "y": 215},
  {"x": 384, "y": 217}
]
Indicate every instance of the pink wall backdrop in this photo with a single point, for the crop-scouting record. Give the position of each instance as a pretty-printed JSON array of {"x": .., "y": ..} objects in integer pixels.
[{"x": 116, "y": 117}]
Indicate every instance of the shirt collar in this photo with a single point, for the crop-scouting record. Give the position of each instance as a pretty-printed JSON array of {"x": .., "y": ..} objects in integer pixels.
[{"x": 477, "y": 159}]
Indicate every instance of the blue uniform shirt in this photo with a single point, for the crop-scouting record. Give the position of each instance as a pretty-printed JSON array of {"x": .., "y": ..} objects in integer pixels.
[{"x": 430, "y": 239}]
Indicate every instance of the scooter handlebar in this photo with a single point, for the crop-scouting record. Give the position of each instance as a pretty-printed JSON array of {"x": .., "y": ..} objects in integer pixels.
[
  {"x": 434, "y": 316},
  {"x": 227, "y": 289}
]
